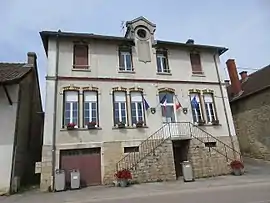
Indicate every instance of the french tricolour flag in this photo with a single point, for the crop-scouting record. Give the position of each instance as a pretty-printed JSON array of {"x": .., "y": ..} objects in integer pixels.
[{"x": 163, "y": 101}]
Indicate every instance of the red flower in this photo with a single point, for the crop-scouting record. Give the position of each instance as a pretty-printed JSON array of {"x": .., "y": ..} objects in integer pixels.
[
  {"x": 236, "y": 164},
  {"x": 71, "y": 125},
  {"x": 123, "y": 174}
]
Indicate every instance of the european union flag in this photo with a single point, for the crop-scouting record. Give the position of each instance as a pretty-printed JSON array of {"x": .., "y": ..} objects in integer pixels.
[
  {"x": 194, "y": 103},
  {"x": 146, "y": 105}
]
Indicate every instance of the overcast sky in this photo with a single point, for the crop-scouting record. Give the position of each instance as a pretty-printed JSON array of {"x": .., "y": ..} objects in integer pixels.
[{"x": 242, "y": 26}]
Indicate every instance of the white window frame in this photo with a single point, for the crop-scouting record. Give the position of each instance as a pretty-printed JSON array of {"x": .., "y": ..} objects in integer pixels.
[
  {"x": 207, "y": 106},
  {"x": 119, "y": 98},
  {"x": 197, "y": 96},
  {"x": 125, "y": 54},
  {"x": 162, "y": 57},
  {"x": 137, "y": 97},
  {"x": 71, "y": 97},
  {"x": 164, "y": 119},
  {"x": 90, "y": 97}
]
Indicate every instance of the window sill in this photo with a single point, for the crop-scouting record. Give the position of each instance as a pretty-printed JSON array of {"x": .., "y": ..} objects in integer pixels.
[
  {"x": 81, "y": 69},
  {"x": 81, "y": 129},
  {"x": 128, "y": 127},
  {"x": 207, "y": 125},
  {"x": 163, "y": 73},
  {"x": 126, "y": 71},
  {"x": 198, "y": 74}
]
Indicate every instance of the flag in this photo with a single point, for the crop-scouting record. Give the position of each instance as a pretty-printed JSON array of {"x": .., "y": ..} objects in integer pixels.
[
  {"x": 178, "y": 104},
  {"x": 194, "y": 103},
  {"x": 146, "y": 105},
  {"x": 163, "y": 101}
]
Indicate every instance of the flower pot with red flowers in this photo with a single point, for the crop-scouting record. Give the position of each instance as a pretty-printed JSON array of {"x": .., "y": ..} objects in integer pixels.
[
  {"x": 92, "y": 125},
  {"x": 123, "y": 177},
  {"x": 215, "y": 122},
  {"x": 139, "y": 124},
  {"x": 237, "y": 167},
  {"x": 71, "y": 126},
  {"x": 201, "y": 122},
  {"x": 121, "y": 125}
]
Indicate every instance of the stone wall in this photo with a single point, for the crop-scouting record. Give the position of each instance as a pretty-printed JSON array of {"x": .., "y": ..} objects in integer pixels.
[
  {"x": 209, "y": 162},
  {"x": 252, "y": 118},
  {"x": 46, "y": 168},
  {"x": 157, "y": 166}
]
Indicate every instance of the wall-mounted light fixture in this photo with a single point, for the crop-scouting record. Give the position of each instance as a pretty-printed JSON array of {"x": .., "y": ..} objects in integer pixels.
[
  {"x": 185, "y": 110},
  {"x": 153, "y": 110}
]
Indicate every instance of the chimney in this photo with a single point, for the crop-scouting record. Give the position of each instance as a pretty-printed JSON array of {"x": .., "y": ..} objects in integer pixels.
[
  {"x": 31, "y": 58},
  {"x": 243, "y": 75},
  {"x": 190, "y": 41},
  {"x": 235, "y": 83}
]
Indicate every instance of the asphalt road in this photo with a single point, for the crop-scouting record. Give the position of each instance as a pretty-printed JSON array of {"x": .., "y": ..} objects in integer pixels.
[{"x": 251, "y": 193}]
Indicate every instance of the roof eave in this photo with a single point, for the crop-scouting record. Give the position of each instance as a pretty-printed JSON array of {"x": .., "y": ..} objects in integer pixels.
[{"x": 218, "y": 50}]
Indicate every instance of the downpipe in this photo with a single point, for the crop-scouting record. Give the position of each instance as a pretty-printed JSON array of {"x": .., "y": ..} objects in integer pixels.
[
  {"x": 224, "y": 107},
  {"x": 54, "y": 113}
]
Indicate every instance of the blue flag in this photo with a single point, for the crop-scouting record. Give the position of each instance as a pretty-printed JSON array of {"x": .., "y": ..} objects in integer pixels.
[
  {"x": 146, "y": 105},
  {"x": 194, "y": 103},
  {"x": 164, "y": 100}
]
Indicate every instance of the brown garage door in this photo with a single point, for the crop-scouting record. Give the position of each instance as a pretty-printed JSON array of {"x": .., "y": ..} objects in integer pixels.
[{"x": 88, "y": 161}]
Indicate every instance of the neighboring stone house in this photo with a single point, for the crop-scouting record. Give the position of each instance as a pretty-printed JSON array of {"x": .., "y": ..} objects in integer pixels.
[
  {"x": 250, "y": 105},
  {"x": 134, "y": 102},
  {"x": 21, "y": 124}
]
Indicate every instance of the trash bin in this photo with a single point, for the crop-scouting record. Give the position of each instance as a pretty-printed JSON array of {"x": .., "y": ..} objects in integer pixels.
[
  {"x": 75, "y": 179},
  {"x": 60, "y": 180},
  {"x": 187, "y": 171}
]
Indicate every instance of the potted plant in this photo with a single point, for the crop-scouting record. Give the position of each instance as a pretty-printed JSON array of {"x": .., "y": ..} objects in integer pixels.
[
  {"x": 215, "y": 122},
  {"x": 237, "y": 167},
  {"x": 92, "y": 125},
  {"x": 123, "y": 176},
  {"x": 139, "y": 124},
  {"x": 71, "y": 126},
  {"x": 121, "y": 125},
  {"x": 201, "y": 122}
]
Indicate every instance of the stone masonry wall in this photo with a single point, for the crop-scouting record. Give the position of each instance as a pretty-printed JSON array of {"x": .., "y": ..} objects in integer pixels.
[
  {"x": 46, "y": 168},
  {"x": 158, "y": 166},
  {"x": 207, "y": 162},
  {"x": 252, "y": 118}
]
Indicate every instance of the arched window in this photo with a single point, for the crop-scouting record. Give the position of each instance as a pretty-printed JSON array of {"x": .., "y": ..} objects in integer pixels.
[{"x": 166, "y": 99}]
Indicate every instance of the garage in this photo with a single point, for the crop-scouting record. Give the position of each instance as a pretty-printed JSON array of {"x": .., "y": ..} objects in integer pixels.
[{"x": 87, "y": 161}]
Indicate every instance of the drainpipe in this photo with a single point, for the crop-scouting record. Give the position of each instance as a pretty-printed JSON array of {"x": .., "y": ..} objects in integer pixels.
[
  {"x": 54, "y": 111},
  {"x": 224, "y": 106}
]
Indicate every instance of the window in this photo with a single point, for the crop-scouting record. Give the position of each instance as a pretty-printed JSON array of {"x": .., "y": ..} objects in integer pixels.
[
  {"x": 210, "y": 144},
  {"x": 196, "y": 107},
  {"x": 166, "y": 99},
  {"x": 195, "y": 60},
  {"x": 125, "y": 59},
  {"x": 137, "y": 110},
  {"x": 80, "y": 56},
  {"x": 120, "y": 107},
  {"x": 209, "y": 107},
  {"x": 90, "y": 107},
  {"x": 131, "y": 149},
  {"x": 162, "y": 62},
  {"x": 71, "y": 109}
]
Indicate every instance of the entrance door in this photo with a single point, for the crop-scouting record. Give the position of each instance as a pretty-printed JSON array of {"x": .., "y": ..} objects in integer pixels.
[
  {"x": 87, "y": 161},
  {"x": 180, "y": 152},
  {"x": 168, "y": 114}
]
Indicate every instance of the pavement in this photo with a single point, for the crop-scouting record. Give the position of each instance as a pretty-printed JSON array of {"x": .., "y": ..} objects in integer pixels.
[{"x": 253, "y": 187}]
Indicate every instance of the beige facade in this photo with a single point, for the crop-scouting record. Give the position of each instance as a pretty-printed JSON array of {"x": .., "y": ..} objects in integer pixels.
[{"x": 103, "y": 75}]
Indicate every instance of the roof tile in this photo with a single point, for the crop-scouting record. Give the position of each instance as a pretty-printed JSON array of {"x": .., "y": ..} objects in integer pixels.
[{"x": 11, "y": 72}]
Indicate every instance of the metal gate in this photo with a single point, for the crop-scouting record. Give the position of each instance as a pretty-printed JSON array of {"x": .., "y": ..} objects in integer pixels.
[{"x": 87, "y": 161}]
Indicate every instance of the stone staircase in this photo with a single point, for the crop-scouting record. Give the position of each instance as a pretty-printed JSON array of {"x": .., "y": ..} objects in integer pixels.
[{"x": 155, "y": 156}]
